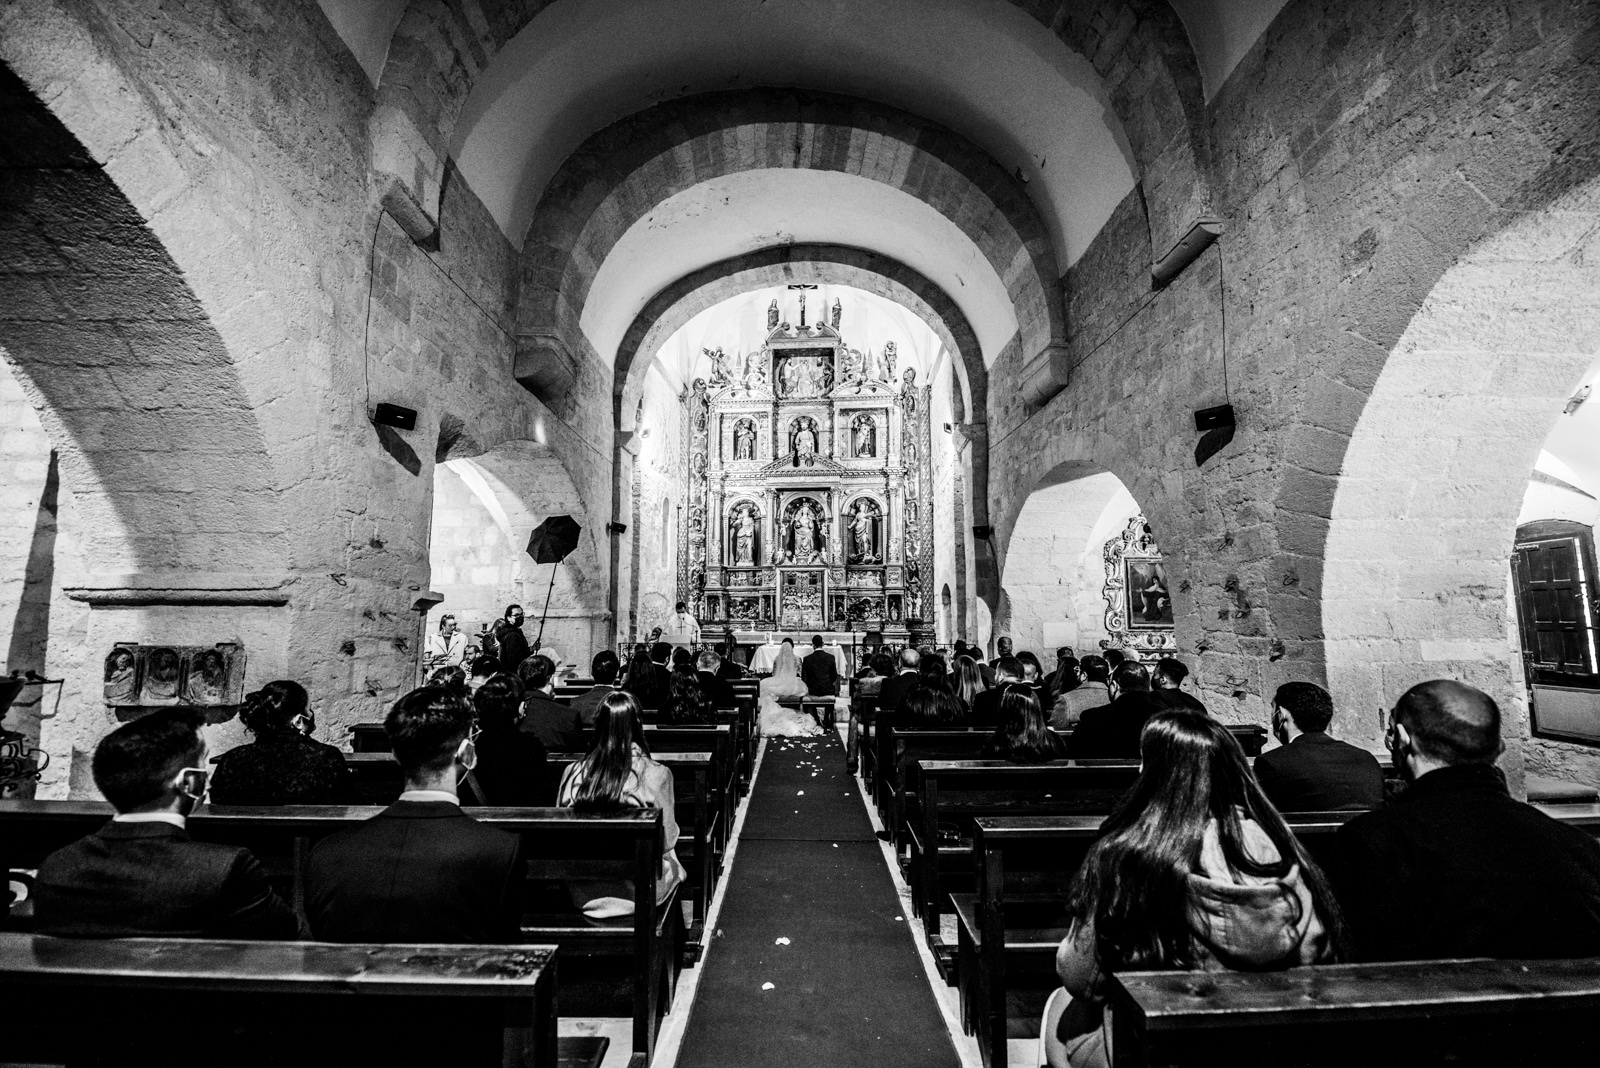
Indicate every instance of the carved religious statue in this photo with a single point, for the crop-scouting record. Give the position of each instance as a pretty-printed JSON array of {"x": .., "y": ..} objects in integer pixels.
[
  {"x": 838, "y": 312},
  {"x": 807, "y": 546},
  {"x": 865, "y": 436},
  {"x": 863, "y": 538},
  {"x": 744, "y": 440},
  {"x": 803, "y": 439},
  {"x": 772, "y": 314},
  {"x": 719, "y": 367},
  {"x": 744, "y": 537}
]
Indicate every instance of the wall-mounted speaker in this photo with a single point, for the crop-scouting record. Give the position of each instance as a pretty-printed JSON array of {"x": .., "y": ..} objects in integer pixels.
[{"x": 396, "y": 416}]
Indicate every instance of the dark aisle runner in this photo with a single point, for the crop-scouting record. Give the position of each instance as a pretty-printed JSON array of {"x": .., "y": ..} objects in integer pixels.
[{"x": 847, "y": 989}]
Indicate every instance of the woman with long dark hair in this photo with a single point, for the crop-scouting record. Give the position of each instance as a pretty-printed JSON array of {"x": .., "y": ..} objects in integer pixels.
[
  {"x": 284, "y": 765},
  {"x": 968, "y": 680},
  {"x": 615, "y": 775},
  {"x": 1023, "y": 737},
  {"x": 929, "y": 708},
  {"x": 1193, "y": 870},
  {"x": 688, "y": 704},
  {"x": 641, "y": 679}
]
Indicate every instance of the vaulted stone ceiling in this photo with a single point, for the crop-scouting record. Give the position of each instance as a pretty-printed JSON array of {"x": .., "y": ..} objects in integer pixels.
[{"x": 1010, "y": 82}]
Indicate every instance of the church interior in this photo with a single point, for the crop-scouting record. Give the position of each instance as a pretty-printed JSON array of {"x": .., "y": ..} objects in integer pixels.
[{"x": 1261, "y": 334}]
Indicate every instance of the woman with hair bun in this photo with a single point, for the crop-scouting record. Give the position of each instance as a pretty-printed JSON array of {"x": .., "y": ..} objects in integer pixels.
[{"x": 284, "y": 765}]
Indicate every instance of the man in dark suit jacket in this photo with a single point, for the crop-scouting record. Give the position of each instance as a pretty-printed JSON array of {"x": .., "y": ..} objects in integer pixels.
[
  {"x": 605, "y": 667},
  {"x": 1457, "y": 867},
  {"x": 1166, "y": 682},
  {"x": 906, "y": 679},
  {"x": 661, "y": 667},
  {"x": 141, "y": 874},
  {"x": 985, "y": 712},
  {"x": 1113, "y": 730},
  {"x": 559, "y": 727},
  {"x": 820, "y": 670},
  {"x": 728, "y": 669},
  {"x": 708, "y": 670},
  {"x": 421, "y": 870},
  {"x": 1311, "y": 772}
]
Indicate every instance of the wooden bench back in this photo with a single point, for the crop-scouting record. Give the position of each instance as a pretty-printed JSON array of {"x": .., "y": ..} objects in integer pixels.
[{"x": 478, "y": 1005}]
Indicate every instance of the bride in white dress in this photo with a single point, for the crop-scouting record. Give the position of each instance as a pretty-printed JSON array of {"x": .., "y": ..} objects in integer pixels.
[{"x": 784, "y": 682}]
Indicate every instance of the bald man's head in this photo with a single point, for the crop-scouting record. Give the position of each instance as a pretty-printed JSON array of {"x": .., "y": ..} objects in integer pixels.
[{"x": 1451, "y": 722}]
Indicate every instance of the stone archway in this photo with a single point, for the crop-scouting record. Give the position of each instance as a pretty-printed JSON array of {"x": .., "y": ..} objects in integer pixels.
[
  {"x": 507, "y": 491},
  {"x": 1053, "y": 579},
  {"x": 1425, "y": 510},
  {"x": 621, "y": 174},
  {"x": 830, "y": 264}
]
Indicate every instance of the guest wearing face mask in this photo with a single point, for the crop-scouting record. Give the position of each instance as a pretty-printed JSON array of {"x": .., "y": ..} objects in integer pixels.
[
  {"x": 284, "y": 765},
  {"x": 141, "y": 875},
  {"x": 422, "y": 870},
  {"x": 1309, "y": 771}
]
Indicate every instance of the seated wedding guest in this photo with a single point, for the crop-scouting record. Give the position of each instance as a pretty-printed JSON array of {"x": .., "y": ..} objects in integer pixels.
[
  {"x": 708, "y": 667},
  {"x": 1023, "y": 737},
  {"x": 483, "y": 667},
  {"x": 1166, "y": 682},
  {"x": 618, "y": 774},
  {"x": 1309, "y": 771},
  {"x": 450, "y": 678},
  {"x": 1456, "y": 867},
  {"x": 929, "y": 708},
  {"x": 1033, "y": 674},
  {"x": 513, "y": 769},
  {"x": 558, "y": 727},
  {"x": 1064, "y": 680},
  {"x": 1113, "y": 730},
  {"x": 141, "y": 874},
  {"x": 687, "y": 702},
  {"x": 985, "y": 714},
  {"x": 604, "y": 667},
  {"x": 1114, "y": 658},
  {"x": 1194, "y": 870},
  {"x": 1002, "y": 649},
  {"x": 905, "y": 679},
  {"x": 1092, "y": 692},
  {"x": 284, "y": 765},
  {"x": 681, "y": 657},
  {"x": 661, "y": 664},
  {"x": 642, "y": 680},
  {"x": 874, "y": 673},
  {"x": 422, "y": 870},
  {"x": 931, "y": 673},
  {"x": 729, "y": 669},
  {"x": 967, "y": 681},
  {"x": 820, "y": 670}
]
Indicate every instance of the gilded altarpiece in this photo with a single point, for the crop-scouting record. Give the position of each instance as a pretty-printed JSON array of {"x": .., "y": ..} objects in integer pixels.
[{"x": 809, "y": 486}]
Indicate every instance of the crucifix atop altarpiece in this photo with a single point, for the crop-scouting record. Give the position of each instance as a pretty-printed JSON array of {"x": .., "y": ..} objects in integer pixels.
[{"x": 815, "y": 486}]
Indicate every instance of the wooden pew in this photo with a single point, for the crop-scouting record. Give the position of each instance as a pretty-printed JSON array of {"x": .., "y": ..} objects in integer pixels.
[
  {"x": 699, "y": 825},
  {"x": 952, "y": 793},
  {"x": 1008, "y": 930},
  {"x": 269, "y": 1003},
  {"x": 896, "y": 750},
  {"x": 563, "y": 847},
  {"x": 1411, "y": 1014}
]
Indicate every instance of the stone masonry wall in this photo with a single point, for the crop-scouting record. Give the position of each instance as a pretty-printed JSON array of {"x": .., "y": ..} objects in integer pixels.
[{"x": 1349, "y": 185}]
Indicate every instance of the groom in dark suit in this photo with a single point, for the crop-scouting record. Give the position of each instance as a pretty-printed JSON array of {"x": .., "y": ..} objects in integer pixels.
[
  {"x": 820, "y": 671},
  {"x": 141, "y": 874},
  {"x": 421, "y": 870}
]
